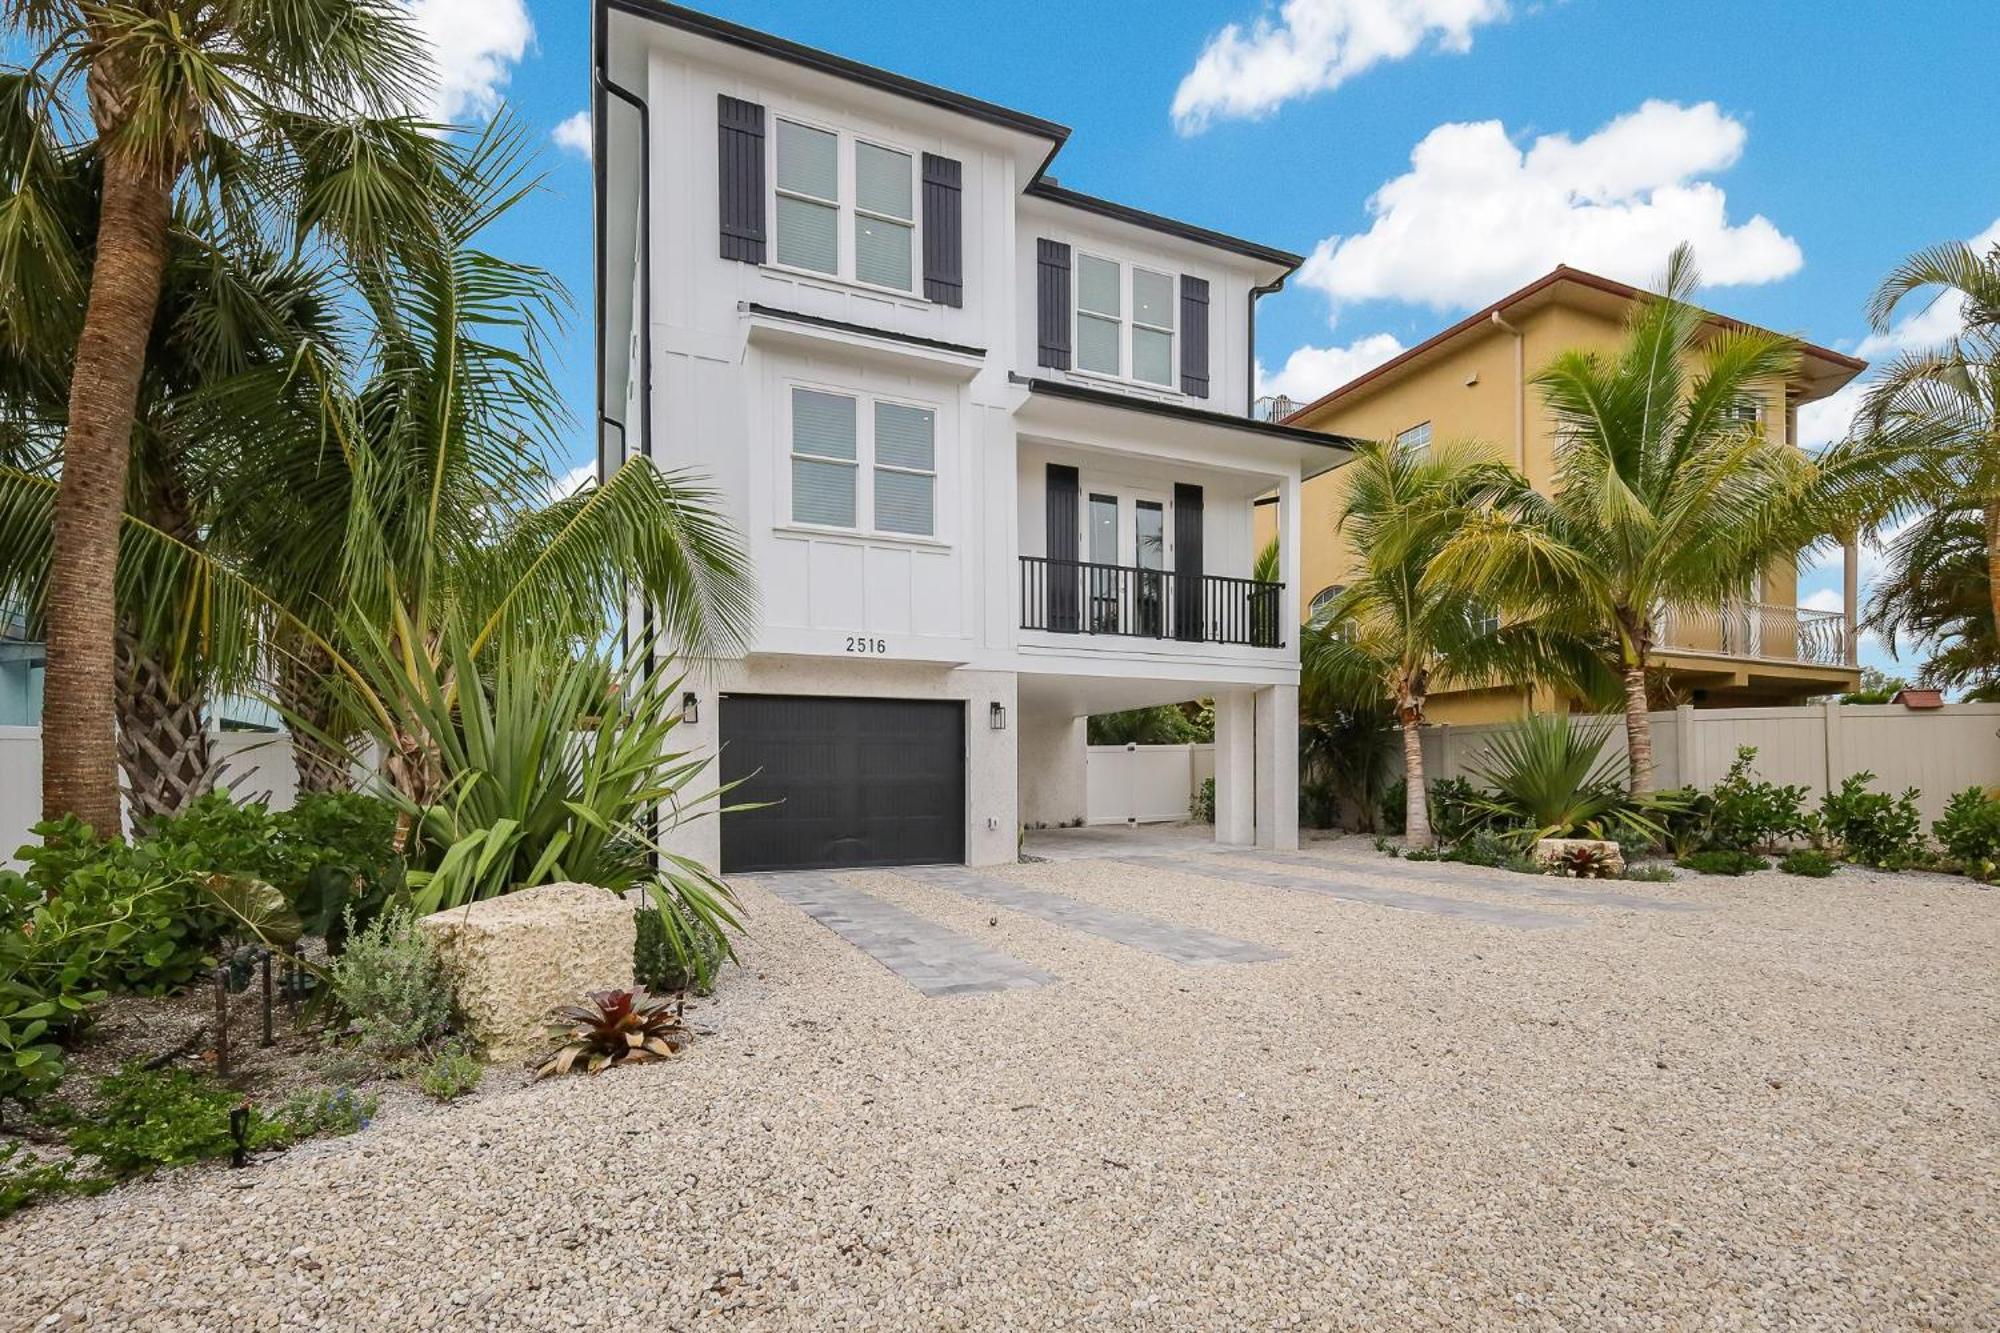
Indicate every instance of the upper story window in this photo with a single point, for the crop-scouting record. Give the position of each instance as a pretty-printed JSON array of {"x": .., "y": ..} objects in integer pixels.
[
  {"x": 838, "y": 440},
  {"x": 1138, "y": 346},
  {"x": 1747, "y": 410},
  {"x": 846, "y": 207},
  {"x": 1415, "y": 440}
]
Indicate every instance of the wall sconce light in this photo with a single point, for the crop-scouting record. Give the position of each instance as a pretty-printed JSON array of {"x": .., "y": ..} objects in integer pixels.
[
  {"x": 690, "y": 707},
  {"x": 996, "y": 716}
]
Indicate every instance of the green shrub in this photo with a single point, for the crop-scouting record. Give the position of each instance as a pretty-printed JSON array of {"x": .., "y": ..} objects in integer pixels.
[
  {"x": 1649, "y": 874},
  {"x": 1547, "y": 777},
  {"x": 1486, "y": 848},
  {"x": 1809, "y": 861},
  {"x": 1203, "y": 811},
  {"x": 323, "y": 1112},
  {"x": 1723, "y": 862},
  {"x": 1874, "y": 828},
  {"x": 1684, "y": 816},
  {"x": 153, "y": 1118},
  {"x": 26, "y": 1179},
  {"x": 1454, "y": 809},
  {"x": 391, "y": 984},
  {"x": 1423, "y": 854},
  {"x": 1747, "y": 815},
  {"x": 453, "y": 1072},
  {"x": 1395, "y": 808},
  {"x": 674, "y": 951},
  {"x": 1969, "y": 831}
]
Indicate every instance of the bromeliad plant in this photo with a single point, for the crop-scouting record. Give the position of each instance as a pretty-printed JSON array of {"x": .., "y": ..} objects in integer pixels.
[
  {"x": 616, "y": 1027},
  {"x": 1547, "y": 777}
]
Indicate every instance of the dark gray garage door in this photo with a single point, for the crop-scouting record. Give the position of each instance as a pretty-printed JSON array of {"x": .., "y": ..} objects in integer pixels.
[{"x": 850, "y": 782}]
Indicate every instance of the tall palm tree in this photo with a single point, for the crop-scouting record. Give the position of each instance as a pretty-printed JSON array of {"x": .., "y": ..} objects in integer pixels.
[
  {"x": 1393, "y": 632},
  {"x": 1928, "y": 436},
  {"x": 228, "y": 303},
  {"x": 280, "y": 109},
  {"x": 1937, "y": 590},
  {"x": 1668, "y": 495}
]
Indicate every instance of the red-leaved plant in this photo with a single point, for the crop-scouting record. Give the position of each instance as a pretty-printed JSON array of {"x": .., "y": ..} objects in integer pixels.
[{"x": 614, "y": 1027}]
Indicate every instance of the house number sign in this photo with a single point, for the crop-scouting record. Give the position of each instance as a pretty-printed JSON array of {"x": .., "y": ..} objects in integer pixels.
[{"x": 867, "y": 647}]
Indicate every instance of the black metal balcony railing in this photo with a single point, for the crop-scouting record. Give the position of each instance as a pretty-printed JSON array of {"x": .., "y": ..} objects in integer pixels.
[{"x": 1077, "y": 597}]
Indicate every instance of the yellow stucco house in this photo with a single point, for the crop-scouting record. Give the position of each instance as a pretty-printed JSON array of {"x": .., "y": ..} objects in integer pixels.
[{"x": 1470, "y": 382}]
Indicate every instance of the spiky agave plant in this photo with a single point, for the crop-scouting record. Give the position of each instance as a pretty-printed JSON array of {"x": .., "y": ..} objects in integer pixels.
[{"x": 616, "y": 1027}]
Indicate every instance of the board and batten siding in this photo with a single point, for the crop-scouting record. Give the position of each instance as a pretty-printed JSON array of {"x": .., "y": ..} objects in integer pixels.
[{"x": 1939, "y": 752}]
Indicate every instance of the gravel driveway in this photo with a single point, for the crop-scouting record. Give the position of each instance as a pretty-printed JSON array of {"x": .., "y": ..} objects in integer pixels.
[{"x": 1780, "y": 1110}]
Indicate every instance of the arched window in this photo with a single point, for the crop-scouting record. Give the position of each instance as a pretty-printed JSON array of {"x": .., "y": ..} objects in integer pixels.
[{"x": 1323, "y": 599}]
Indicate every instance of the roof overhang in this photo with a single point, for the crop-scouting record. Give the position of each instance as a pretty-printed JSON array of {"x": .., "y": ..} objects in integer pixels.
[
  {"x": 1269, "y": 264},
  {"x": 1081, "y": 411}
]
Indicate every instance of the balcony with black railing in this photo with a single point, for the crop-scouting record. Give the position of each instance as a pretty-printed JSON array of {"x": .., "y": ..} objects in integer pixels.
[{"x": 1078, "y": 597}]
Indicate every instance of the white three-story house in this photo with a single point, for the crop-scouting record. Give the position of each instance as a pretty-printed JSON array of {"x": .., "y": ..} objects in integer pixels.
[{"x": 988, "y": 440}]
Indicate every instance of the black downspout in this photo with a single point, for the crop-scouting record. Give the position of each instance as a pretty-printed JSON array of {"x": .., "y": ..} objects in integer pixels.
[{"x": 1250, "y": 357}]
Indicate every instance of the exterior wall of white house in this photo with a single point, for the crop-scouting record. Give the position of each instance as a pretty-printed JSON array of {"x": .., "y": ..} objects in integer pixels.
[{"x": 858, "y": 611}]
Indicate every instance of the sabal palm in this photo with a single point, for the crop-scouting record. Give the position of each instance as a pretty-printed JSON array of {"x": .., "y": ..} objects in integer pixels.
[
  {"x": 1390, "y": 632},
  {"x": 1667, "y": 495},
  {"x": 277, "y": 109},
  {"x": 1928, "y": 435}
]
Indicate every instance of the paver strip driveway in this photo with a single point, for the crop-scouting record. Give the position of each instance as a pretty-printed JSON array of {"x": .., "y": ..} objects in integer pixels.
[
  {"x": 935, "y": 960},
  {"x": 1183, "y": 944},
  {"x": 1485, "y": 914},
  {"x": 1496, "y": 881}
]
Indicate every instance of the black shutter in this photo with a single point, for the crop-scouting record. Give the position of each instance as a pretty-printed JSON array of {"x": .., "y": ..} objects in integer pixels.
[
  {"x": 1194, "y": 336},
  {"x": 944, "y": 231},
  {"x": 1052, "y": 303},
  {"x": 1064, "y": 577},
  {"x": 1187, "y": 562},
  {"x": 740, "y": 177}
]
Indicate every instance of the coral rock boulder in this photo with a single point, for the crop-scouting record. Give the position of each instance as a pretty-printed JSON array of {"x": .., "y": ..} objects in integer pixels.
[{"x": 515, "y": 958}]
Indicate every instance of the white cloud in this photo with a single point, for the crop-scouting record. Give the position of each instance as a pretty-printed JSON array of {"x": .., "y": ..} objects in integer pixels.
[
  {"x": 570, "y": 482},
  {"x": 1930, "y": 319},
  {"x": 1476, "y": 216},
  {"x": 574, "y": 134},
  {"x": 1311, "y": 371},
  {"x": 1315, "y": 46},
  {"x": 475, "y": 45}
]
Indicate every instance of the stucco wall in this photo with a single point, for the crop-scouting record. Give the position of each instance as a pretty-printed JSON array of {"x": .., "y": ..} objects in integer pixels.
[{"x": 1052, "y": 781}]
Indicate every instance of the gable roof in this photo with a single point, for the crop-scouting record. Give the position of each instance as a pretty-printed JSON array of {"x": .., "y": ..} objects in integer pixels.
[{"x": 1839, "y": 367}]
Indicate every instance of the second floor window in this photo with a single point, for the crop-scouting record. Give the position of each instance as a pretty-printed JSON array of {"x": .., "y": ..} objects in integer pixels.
[
  {"x": 1415, "y": 440},
  {"x": 845, "y": 207},
  {"x": 1138, "y": 346},
  {"x": 840, "y": 439}
]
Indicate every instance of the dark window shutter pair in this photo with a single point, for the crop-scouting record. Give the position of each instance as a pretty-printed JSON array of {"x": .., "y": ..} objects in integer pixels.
[
  {"x": 1052, "y": 303},
  {"x": 1187, "y": 562},
  {"x": 740, "y": 178},
  {"x": 944, "y": 231},
  {"x": 740, "y": 194},
  {"x": 1194, "y": 336}
]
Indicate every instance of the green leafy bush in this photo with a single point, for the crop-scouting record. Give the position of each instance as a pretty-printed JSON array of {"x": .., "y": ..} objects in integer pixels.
[
  {"x": 149, "y": 1118},
  {"x": 1455, "y": 809},
  {"x": 1723, "y": 862},
  {"x": 1203, "y": 811},
  {"x": 1486, "y": 848},
  {"x": 453, "y": 1071},
  {"x": 1395, "y": 818},
  {"x": 1809, "y": 861},
  {"x": 1745, "y": 814},
  {"x": 323, "y": 1112},
  {"x": 1871, "y": 827},
  {"x": 26, "y": 1179},
  {"x": 660, "y": 967},
  {"x": 1969, "y": 832},
  {"x": 392, "y": 985}
]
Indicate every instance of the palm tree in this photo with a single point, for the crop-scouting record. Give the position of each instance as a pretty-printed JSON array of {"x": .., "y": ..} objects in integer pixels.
[
  {"x": 1668, "y": 495},
  {"x": 1937, "y": 590},
  {"x": 227, "y": 304},
  {"x": 1393, "y": 632},
  {"x": 289, "y": 110},
  {"x": 1928, "y": 435}
]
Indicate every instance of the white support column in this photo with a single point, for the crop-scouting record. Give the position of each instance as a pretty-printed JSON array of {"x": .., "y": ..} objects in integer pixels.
[
  {"x": 1235, "y": 768},
  {"x": 1277, "y": 710}
]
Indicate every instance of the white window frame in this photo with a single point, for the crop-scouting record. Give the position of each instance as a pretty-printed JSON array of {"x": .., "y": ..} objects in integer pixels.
[
  {"x": 865, "y": 465},
  {"x": 1127, "y": 321},
  {"x": 1406, "y": 444},
  {"x": 848, "y": 208}
]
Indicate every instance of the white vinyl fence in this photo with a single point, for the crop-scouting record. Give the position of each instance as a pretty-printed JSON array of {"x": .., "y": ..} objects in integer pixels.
[
  {"x": 1939, "y": 752},
  {"x": 1143, "y": 784},
  {"x": 257, "y": 766}
]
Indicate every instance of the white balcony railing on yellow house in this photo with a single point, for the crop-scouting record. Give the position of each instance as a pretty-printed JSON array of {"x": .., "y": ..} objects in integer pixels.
[{"x": 1760, "y": 631}]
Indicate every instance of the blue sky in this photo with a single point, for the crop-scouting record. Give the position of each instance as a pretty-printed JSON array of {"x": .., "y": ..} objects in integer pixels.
[{"x": 1805, "y": 147}]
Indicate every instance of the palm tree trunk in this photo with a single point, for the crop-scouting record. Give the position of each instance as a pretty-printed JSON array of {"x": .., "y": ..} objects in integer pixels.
[
  {"x": 1638, "y": 729},
  {"x": 1992, "y": 508},
  {"x": 163, "y": 741},
  {"x": 322, "y": 766},
  {"x": 1416, "y": 800},
  {"x": 80, "y": 709}
]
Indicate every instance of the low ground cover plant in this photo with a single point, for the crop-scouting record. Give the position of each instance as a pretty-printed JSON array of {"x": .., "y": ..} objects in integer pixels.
[
  {"x": 1723, "y": 862},
  {"x": 615, "y": 1027},
  {"x": 452, "y": 1072},
  {"x": 146, "y": 1119},
  {"x": 392, "y": 985},
  {"x": 1810, "y": 862}
]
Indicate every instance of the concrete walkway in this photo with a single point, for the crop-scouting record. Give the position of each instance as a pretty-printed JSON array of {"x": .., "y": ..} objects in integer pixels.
[
  {"x": 1238, "y": 871},
  {"x": 931, "y": 958},
  {"x": 1183, "y": 944}
]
